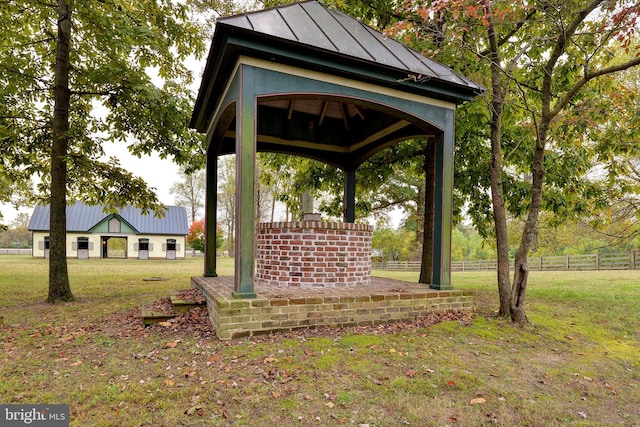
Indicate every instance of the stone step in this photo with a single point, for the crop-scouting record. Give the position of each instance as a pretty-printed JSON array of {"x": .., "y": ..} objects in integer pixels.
[
  {"x": 179, "y": 306},
  {"x": 150, "y": 317},
  {"x": 182, "y": 306}
]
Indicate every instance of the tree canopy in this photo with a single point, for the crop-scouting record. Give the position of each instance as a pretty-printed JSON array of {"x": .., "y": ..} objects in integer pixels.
[
  {"x": 189, "y": 192},
  {"x": 75, "y": 75},
  {"x": 539, "y": 60},
  {"x": 128, "y": 83}
]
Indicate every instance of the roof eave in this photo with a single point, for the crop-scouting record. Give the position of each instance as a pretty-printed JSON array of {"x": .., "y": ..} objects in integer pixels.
[
  {"x": 214, "y": 61},
  {"x": 229, "y": 42}
]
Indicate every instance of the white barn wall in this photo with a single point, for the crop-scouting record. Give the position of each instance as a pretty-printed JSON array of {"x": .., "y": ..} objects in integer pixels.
[
  {"x": 156, "y": 241},
  {"x": 95, "y": 244},
  {"x": 38, "y": 243}
]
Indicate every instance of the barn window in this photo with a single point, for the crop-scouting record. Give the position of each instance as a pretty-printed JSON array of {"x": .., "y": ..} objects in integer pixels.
[
  {"x": 171, "y": 244},
  {"x": 114, "y": 225},
  {"x": 47, "y": 242},
  {"x": 83, "y": 243},
  {"x": 143, "y": 244}
]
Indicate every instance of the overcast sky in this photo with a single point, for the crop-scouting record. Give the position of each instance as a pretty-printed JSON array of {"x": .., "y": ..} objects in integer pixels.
[{"x": 158, "y": 173}]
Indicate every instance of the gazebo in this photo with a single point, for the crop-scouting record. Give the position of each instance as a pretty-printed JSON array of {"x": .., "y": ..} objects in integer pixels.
[{"x": 308, "y": 80}]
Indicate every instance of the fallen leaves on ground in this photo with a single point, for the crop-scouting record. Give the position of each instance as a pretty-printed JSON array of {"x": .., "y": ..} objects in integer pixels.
[
  {"x": 191, "y": 295},
  {"x": 194, "y": 321},
  {"x": 197, "y": 410},
  {"x": 160, "y": 306}
]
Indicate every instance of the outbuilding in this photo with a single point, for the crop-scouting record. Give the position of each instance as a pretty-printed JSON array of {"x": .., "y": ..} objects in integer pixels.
[
  {"x": 308, "y": 80},
  {"x": 127, "y": 233}
]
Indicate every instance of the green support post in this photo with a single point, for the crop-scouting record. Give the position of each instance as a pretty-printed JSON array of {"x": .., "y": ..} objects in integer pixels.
[
  {"x": 211, "y": 215},
  {"x": 245, "y": 183},
  {"x": 443, "y": 211}
]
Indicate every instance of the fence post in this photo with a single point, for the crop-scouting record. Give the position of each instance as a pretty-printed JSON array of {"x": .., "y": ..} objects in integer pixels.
[{"x": 597, "y": 260}]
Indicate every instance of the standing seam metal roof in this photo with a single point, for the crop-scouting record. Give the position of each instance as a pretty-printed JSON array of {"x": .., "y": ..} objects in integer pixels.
[
  {"x": 309, "y": 23},
  {"x": 81, "y": 218}
]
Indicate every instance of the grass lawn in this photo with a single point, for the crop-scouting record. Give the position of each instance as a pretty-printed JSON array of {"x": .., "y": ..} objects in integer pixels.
[{"x": 578, "y": 363}]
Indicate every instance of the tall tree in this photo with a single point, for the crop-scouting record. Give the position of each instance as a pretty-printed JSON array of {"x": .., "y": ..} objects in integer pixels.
[
  {"x": 266, "y": 185},
  {"x": 77, "y": 74},
  {"x": 540, "y": 58},
  {"x": 227, "y": 199},
  {"x": 189, "y": 191},
  {"x": 59, "y": 287}
]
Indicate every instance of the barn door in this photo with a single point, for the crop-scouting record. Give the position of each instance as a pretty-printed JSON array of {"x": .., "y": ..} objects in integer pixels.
[
  {"x": 171, "y": 248},
  {"x": 143, "y": 248},
  {"x": 83, "y": 248}
]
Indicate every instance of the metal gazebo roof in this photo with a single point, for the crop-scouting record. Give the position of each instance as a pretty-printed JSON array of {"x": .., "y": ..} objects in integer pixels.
[{"x": 309, "y": 32}]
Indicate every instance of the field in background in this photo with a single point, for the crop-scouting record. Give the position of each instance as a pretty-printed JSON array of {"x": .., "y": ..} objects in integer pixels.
[{"x": 578, "y": 363}]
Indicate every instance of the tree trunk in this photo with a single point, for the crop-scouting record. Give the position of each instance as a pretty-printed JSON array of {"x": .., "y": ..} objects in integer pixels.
[
  {"x": 231, "y": 240},
  {"x": 518, "y": 290},
  {"x": 59, "y": 289},
  {"x": 426, "y": 266},
  {"x": 521, "y": 272},
  {"x": 495, "y": 176},
  {"x": 273, "y": 205},
  {"x": 500, "y": 221}
]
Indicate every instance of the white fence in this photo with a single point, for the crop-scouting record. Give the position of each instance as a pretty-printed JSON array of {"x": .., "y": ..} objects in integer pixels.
[
  {"x": 11, "y": 251},
  {"x": 619, "y": 261}
]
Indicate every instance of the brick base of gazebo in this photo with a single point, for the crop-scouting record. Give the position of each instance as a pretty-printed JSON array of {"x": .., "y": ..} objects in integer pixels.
[
  {"x": 313, "y": 254},
  {"x": 287, "y": 308}
]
